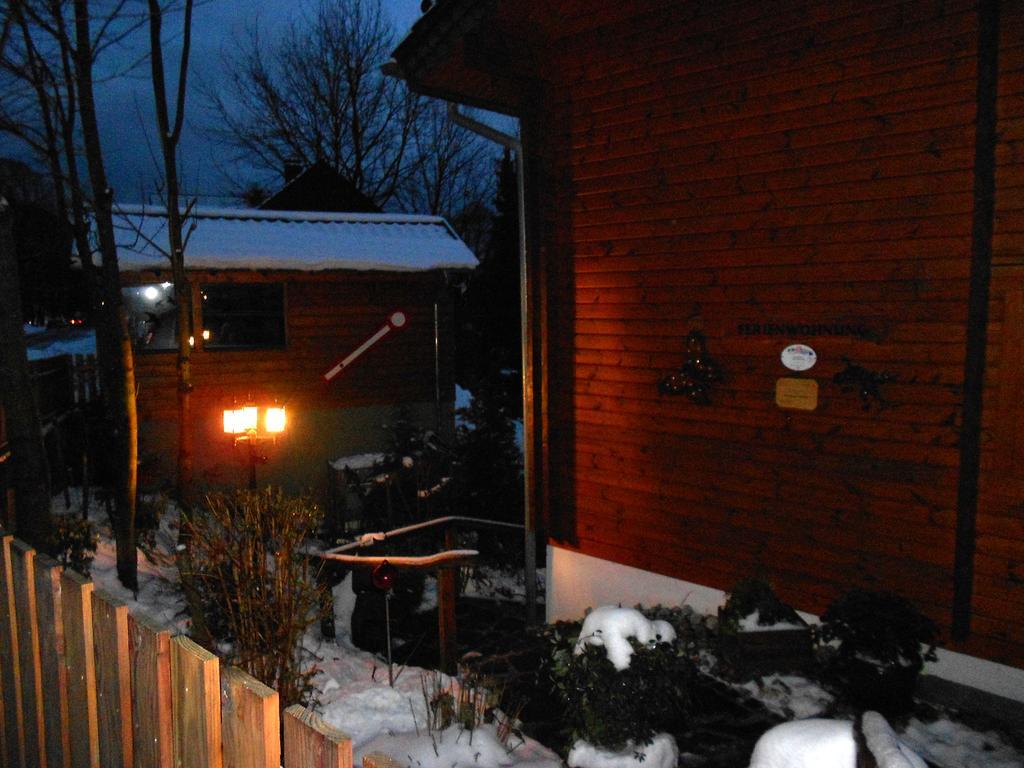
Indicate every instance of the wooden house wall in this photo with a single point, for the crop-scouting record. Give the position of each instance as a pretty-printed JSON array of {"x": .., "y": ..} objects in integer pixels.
[
  {"x": 327, "y": 316},
  {"x": 998, "y": 595},
  {"x": 719, "y": 166}
]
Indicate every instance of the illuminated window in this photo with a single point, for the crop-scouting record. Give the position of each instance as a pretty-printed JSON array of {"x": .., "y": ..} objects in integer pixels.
[
  {"x": 243, "y": 316},
  {"x": 152, "y": 316}
]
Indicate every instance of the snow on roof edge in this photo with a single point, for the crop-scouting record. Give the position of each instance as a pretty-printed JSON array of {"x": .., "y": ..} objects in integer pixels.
[{"x": 137, "y": 209}]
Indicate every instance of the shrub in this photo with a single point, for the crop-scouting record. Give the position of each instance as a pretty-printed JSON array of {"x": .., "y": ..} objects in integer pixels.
[
  {"x": 251, "y": 587},
  {"x": 73, "y": 542},
  {"x": 879, "y": 626},
  {"x": 755, "y": 594},
  {"x": 608, "y": 707}
]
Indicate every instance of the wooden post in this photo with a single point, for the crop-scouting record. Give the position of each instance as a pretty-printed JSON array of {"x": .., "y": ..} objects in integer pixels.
[
  {"x": 150, "y": 652},
  {"x": 309, "y": 742},
  {"x": 446, "y": 596},
  {"x": 50, "y": 609},
  {"x": 14, "y": 731},
  {"x": 251, "y": 721},
  {"x": 76, "y": 595},
  {"x": 195, "y": 691},
  {"x": 113, "y": 680},
  {"x": 23, "y": 562}
]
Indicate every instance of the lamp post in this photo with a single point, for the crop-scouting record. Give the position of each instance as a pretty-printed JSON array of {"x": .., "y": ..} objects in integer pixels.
[{"x": 245, "y": 425}]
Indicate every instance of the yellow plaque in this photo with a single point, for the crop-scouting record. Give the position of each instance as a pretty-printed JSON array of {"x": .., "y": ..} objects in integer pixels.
[{"x": 797, "y": 394}]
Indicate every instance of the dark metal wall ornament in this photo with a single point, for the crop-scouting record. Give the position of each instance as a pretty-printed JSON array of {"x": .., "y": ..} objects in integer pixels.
[
  {"x": 696, "y": 376},
  {"x": 867, "y": 384}
]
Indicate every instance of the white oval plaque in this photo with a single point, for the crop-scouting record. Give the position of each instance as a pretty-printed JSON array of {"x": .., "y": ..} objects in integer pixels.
[{"x": 799, "y": 357}]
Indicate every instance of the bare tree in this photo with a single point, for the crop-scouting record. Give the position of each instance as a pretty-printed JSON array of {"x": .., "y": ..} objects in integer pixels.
[
  {"x": 53, "y": 111},
  {"x": 169, "y": 138},
  {"x": 450, "y": 168},
  {"x": 317, "y": 94}
]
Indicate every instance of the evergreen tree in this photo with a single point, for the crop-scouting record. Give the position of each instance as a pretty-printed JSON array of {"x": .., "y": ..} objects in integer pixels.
[{"x": 490, "y": 362}]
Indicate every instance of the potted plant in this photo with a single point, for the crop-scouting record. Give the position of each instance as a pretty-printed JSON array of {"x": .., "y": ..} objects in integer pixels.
[
  {"x": 757, "y": 632},
  {"x": 623, "y": 681},
  {"x": 880, "y": 643}
]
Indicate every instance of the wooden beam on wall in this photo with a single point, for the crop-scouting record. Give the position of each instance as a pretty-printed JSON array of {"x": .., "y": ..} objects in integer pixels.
[
  {"x": 76, "y": 594},
  {"x": 977, "y": 314},
  {"x": 50, "y": 610},
  {"x": 251, "y": 721},
  {"x": 14, "y": 732},
  {"x": 23, "y": 567},
  {"x": 149, "y": 648},
  {"x": 113, "y": 680},
  {"x": 195, "y": 691}
]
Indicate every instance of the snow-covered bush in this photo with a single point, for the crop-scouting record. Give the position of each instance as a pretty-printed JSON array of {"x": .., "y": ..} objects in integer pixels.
[
  {"x": 622, "y": 680},
  {"x": 250, "y": 586},
  {"x": 754, "y": 601}
]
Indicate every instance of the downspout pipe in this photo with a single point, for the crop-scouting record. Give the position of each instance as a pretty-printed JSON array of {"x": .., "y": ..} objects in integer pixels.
[{"x": 529, "y": 453}]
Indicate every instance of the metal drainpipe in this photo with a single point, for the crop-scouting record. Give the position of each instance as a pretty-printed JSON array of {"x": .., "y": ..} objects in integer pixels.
[{"x": 529, "y": 455}]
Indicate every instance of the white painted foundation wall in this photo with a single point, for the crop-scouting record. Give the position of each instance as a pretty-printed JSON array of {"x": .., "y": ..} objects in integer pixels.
[{"x": 576, "y": 582}]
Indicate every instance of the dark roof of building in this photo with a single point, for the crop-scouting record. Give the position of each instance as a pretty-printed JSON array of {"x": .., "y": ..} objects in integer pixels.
[{"x": 320, "y": 188}]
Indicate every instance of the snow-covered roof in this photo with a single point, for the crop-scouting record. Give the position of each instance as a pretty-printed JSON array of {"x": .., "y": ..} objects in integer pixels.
[{"x": 239, "y": 238}]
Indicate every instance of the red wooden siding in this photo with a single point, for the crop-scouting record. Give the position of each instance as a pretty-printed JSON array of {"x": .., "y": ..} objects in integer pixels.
[
  {"x": 716, "y": 166},
  {"x": 782, "y": 164}
]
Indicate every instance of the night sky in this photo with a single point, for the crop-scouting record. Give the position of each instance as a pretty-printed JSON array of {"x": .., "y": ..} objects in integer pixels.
[{"x": 125, "y": 100}]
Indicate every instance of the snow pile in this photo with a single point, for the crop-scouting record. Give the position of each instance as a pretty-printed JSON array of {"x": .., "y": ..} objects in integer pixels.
[
  {"x": 354, "y": 696},
  {"x": 888, "y": 751},
  {"x": 159, "y": 597},
  {"x": 456, "y": 747},
  {"x": 662, "y": 752},
  {"x": 790, "y": 696},
  {"x": 751, "y": 624},
  {"x": 953, "y": 745},
  {"x": 816, "y": 743},
  {"x": 611, "y": 627},
  {"x": 358, "y": 461}
]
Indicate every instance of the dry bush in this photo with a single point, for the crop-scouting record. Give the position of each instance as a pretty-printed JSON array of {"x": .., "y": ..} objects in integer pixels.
[{"x": 251, "y": 588}]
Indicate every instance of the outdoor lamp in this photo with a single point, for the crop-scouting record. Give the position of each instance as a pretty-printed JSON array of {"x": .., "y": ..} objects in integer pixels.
[
  {"x": 243, "y": 423},
  {"x": 240, "y": 421},
  {"x": 275, "y": 419}
]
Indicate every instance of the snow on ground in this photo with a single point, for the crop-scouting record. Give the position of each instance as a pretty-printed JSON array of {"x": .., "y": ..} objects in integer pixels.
[
  {"x": 159, "y": 597},
  {"x": 42, "y": 343},
  {"x": 353, "y": 693},
  {"x": 953, "y": 745},
  {"x": 789, "y": 696},
  {"x": 662, "y": 752}
]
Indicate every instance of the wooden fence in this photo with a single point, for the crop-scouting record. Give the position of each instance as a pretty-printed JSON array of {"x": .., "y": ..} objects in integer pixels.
[{"x": 86, "y": 684}]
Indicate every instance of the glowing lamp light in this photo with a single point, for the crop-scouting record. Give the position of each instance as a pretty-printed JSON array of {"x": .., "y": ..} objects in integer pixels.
[
  {"x": 238, "y": 421},
  {"x": 275, "y": 419}
]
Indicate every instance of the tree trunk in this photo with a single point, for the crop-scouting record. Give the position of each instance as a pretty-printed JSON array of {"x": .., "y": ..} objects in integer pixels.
[
  {"x": 24, "y": 429},
  {"x": 113, "y": 343},
  {"x": 176, "y": 246}
]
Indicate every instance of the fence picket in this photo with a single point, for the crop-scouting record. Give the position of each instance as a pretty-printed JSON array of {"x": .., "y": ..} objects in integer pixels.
[
  {"x": 76, "y": 595},
  {"x": 49, "y": 610},
  {"x": 14, "y": 732},
  {"x": 251, "y": 721},
  {"x": 195, "y": 688},
  {"x": 309, "y": 742},
  {"x": 150, "y": 648},
  {"x": 113, "y": 680},
  {"x": 23, "y": 559}
]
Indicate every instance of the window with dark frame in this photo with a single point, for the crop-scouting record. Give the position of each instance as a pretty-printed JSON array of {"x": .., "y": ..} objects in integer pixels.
[{"x": 243, "y": 315}]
